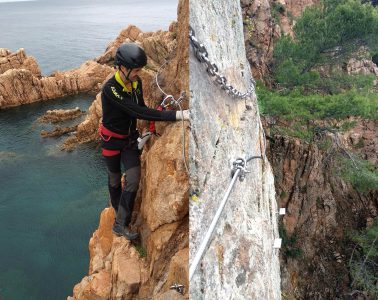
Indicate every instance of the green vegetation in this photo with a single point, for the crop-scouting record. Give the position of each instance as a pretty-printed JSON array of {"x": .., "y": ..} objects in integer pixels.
[
  {"x": 375, "y": 59},
  {"x": 307, "y": 71},
  {"x": 302, "y": 111},
  {"x": 360, "y": 173},
  {"x": 277, "y": 10},
  {"x": 364, "y": 261},
  {"x": 291, "y": 105},
  {"x": 289, "y": 244},
  {"x": 325, "y": 144},
  {"x": 324, "y": 34},
  {"x": 141, "y": 250},
  {"x": 312, "y": 92},
  {"x": 313, "y": 95},
  {"x": 348, "y": 125},
  {"x": 248, "y": 24}
]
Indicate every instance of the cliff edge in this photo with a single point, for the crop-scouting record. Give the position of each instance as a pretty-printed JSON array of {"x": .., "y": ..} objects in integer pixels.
[{"x": 118, "y": 269}]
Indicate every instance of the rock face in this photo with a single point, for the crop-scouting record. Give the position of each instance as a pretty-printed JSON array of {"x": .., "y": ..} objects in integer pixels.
[
  {"x": 18, "y": 60},
  {"x": 362, "y": 67},
  {"x": 59, "y": 115},
  {"x": 264, "y": 22},
  {"x": 321, "y": 210},
  {"x": 117, "y": 270},
  {"x": 21, "y": 86},
  {"x": 240, "y": 262},
  {"x": 160, "y": 46},
  {"x": 363, "y": 139}
]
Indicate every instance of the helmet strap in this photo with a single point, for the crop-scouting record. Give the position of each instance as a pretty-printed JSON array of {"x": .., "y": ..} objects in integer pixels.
[{"x": 123, "y": 73}]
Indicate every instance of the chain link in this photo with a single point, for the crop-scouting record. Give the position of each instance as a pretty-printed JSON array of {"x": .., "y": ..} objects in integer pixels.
[{"x": 202, "y": 55}]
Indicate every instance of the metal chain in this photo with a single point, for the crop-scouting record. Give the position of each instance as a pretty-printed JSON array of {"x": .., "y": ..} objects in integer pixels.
[{"x": 202, "y": 55}]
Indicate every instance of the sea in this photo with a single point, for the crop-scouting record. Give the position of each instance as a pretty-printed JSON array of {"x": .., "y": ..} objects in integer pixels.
[{"x": 51, "y": 200}]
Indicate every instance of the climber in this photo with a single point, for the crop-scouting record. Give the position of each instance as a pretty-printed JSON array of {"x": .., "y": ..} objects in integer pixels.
[{"x": 122, "y": 104}]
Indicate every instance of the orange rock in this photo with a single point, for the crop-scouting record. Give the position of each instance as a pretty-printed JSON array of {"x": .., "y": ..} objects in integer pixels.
[
  {"x": 101, "y": 242},
  {"x": 126, "y": 269},
  {"x": 170, "y": 295},
  {"x": 163, "y": 214},
  {"x": 94, "y": 287},
  {"x": 18, "y": 60},
  {"x": 165, "y": 193},
  {"x": 178, "y": 269},
  {"x": 20, "y": 86},
  {"x": 261, "y": 29}
]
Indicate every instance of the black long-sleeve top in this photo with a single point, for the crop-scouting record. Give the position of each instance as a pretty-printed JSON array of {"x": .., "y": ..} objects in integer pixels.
[{"x": 121, "y": 109}]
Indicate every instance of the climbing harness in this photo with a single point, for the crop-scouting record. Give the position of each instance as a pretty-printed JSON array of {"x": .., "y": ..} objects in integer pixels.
[
  {"x": 106, "y": 134},
  {"x": 178, "y": 288},
  {"x": 202, "y": 55},
  {"x": 238, "y": 171}
]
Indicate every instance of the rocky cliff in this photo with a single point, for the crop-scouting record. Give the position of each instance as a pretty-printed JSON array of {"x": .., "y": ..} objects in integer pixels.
[
  {"x": 21, "y": 81},
  {"x": 322, "y": 209},
  {"x": 18, "y": 60},
  {"x": 119, "y": 269},
  {"x": 264, "y": 22},
  {"x": 160, "y": 46},
  {"x": 240, "y": 262}
]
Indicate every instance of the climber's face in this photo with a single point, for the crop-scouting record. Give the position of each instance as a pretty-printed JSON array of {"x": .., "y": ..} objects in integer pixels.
[{"x": 133, "y": 74}]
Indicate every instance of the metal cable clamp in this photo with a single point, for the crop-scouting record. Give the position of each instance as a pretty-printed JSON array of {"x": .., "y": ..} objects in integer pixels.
[
  {"x": 168, "y": 100},
  {"x": 178, "y": 288},
  {"x": 240, "y": 164}
]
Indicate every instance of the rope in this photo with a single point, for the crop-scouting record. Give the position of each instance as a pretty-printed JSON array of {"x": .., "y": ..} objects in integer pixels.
[
  {"x": 156, "y": 78},
  {"x": 178, "y": 103}
]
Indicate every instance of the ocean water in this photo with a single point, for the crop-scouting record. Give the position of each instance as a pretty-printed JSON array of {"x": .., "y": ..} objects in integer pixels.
[
  {"x": 50, "y": 200},
  {"x": 49, "y": 204},
  {"x": 63, "y": 34}
]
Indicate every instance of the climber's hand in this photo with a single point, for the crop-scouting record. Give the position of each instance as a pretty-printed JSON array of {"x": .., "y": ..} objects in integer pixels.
[{"x": 182, "y": 115}]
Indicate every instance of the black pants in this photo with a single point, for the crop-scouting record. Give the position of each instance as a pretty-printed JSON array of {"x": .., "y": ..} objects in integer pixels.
[{"x": 123, "y": 200}]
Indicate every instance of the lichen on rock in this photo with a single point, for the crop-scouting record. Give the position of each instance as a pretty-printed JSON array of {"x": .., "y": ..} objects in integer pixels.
[{"x": 240, "y": 262}]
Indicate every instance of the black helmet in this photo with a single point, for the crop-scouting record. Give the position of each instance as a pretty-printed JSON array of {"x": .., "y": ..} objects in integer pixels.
[{"x": 131, "y": 56}]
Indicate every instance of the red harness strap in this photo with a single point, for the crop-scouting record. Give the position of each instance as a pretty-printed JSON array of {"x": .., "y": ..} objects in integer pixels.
[
  {"x": 103, "y": 131},
  {"x": 106, "y": 152},
  {"x": 152, "y": 123}
]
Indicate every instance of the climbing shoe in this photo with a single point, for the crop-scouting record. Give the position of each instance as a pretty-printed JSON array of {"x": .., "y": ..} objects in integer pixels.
[{"x": 125, "y": 232}]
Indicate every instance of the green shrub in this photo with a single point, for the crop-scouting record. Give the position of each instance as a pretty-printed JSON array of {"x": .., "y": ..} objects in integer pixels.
[
  {"x": 342, "y": 26},
  {"x": 360, "y": 173},
  {"x": 325, "y": 144},
  {"x": 346, "y": 126},
  {"x": 277, "y": 10},
  {"x": 289, "y": 243},
  {"x": 363, "y": 264},
  {"x": 375, "y": 59},
  {"x": 141, "y": 250},
  {"x": 293, "y": 105}
]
